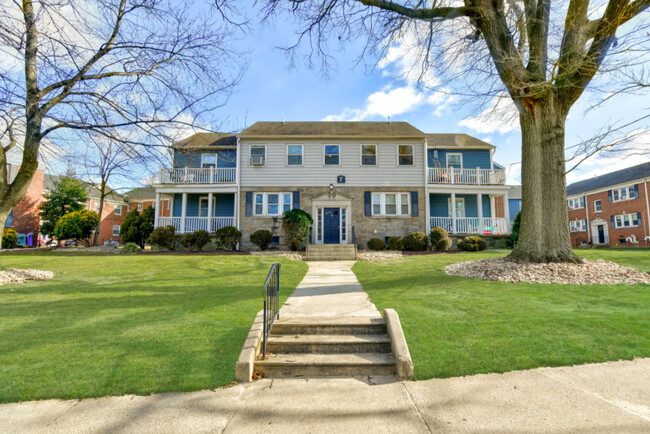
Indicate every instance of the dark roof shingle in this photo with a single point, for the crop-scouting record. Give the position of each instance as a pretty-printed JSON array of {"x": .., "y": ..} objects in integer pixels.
[
  {"x": 456, "y": 141},
  {"x": 206, "y": 140},
  {"x": 609, "y": 179},
  {"x": 333, "y": 129}
]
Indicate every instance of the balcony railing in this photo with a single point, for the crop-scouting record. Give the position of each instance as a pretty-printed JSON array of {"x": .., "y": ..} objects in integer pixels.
[
  {"x": 472, "y": 225},
  {"x": 190, "y": 224},
  {"x": 452, "y": 175},
  {"x": 211, "y": 175}
]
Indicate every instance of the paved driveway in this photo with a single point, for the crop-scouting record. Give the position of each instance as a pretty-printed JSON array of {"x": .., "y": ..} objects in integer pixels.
[{"x": 609, "y": 397}]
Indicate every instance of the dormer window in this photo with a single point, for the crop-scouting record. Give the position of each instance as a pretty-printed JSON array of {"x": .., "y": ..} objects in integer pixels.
[{"x": 208, "y": 161}]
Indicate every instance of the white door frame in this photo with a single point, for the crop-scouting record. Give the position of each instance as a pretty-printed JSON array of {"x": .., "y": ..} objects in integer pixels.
[
  {"x": 342, "y": 203},
  {"x": 594, "y": 231}
]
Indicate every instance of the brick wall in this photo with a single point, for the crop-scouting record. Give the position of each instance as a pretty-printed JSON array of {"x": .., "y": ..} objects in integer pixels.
[
  {"x": 615, "y": 237},
  {"x": 25, "y": 217},
  {"x": 108, "y": 219}
]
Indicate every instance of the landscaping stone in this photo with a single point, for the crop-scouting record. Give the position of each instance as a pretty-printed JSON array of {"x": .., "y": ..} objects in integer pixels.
[
  {"x": 21, "y": 276},
  {"x": 590, "y": 272},
  {"x": 372, "y": 256},
  {"x": 296, "y": 256}
]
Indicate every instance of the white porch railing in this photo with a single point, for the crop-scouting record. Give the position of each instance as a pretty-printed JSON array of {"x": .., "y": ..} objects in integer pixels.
[
  {"x": 198, "y": 176},
  {"x": 451, "y": 175},
  {"x": 191, "y": 224},
  {"x": 472, "y": 225}
]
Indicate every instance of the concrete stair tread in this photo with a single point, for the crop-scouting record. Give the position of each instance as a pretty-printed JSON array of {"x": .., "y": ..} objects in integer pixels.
[
  {"x": 333, "y": 339},
  {"x": 330, "y": 320},
  {"x": 324, "y": 360}
]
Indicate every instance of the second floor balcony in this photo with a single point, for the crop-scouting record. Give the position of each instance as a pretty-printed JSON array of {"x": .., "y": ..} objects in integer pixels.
[
  {"x": 212, "y": 175},
  {"x": 453, "y": 175}
]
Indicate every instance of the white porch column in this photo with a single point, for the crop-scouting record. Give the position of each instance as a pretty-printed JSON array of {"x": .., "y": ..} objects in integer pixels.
[
  {"x": 209, "y": 227},
  {"x": 156, "y": 213},
  {"x": 183, "y": 212},
  {"x": 506, "y": 211},
  {"x": 453, "y": 212},
  {"x": 479, "y": 204}
]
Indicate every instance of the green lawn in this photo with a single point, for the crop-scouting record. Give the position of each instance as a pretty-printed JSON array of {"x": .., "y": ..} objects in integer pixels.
[
  {"x": 459, "y": 326},
  {"x": 111, "y": 325}
]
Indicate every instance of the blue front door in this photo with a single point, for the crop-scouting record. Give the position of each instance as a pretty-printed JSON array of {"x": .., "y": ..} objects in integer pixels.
[{"x": 332, "y": 225}]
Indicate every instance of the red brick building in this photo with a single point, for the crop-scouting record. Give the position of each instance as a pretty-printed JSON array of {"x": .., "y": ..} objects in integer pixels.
[
  {"x": 24, "y": 216},
  {"x": 612, "y": 209}
]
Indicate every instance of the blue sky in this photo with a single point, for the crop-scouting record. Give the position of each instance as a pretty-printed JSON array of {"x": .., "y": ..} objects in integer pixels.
[{"x": 274, "y": 87}]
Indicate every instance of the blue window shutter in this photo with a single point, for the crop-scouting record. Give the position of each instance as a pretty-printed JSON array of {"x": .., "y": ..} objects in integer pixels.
[
  {"x": 611, "y": 218},
  {"x": 249, "y": 203},
  {"x": 367, "y": 206},
  {"x": 296, "y": 199},
  {"x": 636, "y": 191},
  {"x": 609, "y": 193},
  {"x": 584, "y": 201},
  {"x": 415, "y": 207},
  {"x": 638, "y": 218}
]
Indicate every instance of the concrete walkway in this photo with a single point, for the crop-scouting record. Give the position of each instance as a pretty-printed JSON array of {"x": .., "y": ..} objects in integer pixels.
[
  {"x": 329, "y": 289},
  {"x": 608, "y": 397}
]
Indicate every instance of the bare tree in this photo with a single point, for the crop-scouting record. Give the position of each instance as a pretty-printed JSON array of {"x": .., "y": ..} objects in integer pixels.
[
  {"x": 542, "y": 55},
  {"x": 102, "y": 161},
  {"x": 132, "y": 71}
]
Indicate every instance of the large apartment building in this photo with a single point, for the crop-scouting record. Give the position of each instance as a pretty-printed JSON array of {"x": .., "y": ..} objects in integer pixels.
[
  {"x": 359, "y": 180},
  {"x": 611, "y": 209}
]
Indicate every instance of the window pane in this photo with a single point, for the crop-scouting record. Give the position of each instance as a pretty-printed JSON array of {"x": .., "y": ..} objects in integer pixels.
[
  {"x": 332, "y": 154},
  {"x": 343, "y": 225},
  {"x": 203, "y": 208},
  {"x": 368, "y": 155},
  {"x": 294, "y": 149},
  {"x": 287, "y": 202},
  {"x": 615, "y": 194},
  {"x": 273, "y": 201},
  {"x": 405, "y": 204},
  {"x": 405, "y": 155},
  {"x": 294, "y": 153},
  {"x": 259, "y": 204},
  {"x": 376, "y": 203},
  {"x": 258, "y": 150},
  {"x": 391, "y": 204},
  {"x": 624, "y": 193},
  {"x": 331, "y": 149},
  {"x": 209, "y": 160}
]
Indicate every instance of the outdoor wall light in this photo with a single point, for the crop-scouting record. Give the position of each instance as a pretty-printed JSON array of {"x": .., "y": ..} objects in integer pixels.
[{"x": 331, "y": 187}]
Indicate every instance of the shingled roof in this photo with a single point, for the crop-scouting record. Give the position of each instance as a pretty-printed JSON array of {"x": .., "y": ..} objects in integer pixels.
[
  {"x": 456, "y": 140},
  {"x": 141, "y": 193},
  {"x": 332, "y": 129},
  {"x": 610, "y": 179},
  {"x": 206, "y": 140}
]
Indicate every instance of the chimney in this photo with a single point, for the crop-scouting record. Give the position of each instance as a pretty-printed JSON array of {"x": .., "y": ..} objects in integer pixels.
[{"x": 389, "y": 119}]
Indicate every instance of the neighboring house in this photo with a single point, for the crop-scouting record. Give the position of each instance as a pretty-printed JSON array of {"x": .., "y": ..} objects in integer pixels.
[
  {"x": 359, "y": 180},
  {"x": 144, "y": 197},
  {"x": 611, "y": 209},
  {"x": 514, "y": 201},
  {"x": 24, "y": 217}
]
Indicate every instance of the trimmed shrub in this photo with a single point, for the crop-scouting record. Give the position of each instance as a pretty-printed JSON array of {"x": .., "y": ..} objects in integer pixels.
[
  {"x": 514, "y": 234},
  {"x": 130, "y": 249},
  {"x": 376, "y": 244},
  {"x": 472, "y": 244},
  {"x": 228, "y": 237},
  {"x": 262, "y": 238},
  {"x": 443, "y": 245},
  {"x": 416, "y": 241},
  {"x": 296, "y": 224},
  {"x": 77, "y": 225},
  {"x": 137, "y": 227},
  {"x": 436, "y": 235},
  {"x": 163, "y": 237},
  {"x": 9, "y": 238},
  {"x": 395, "y": 243},
  {"x": 196, "y": 240}
]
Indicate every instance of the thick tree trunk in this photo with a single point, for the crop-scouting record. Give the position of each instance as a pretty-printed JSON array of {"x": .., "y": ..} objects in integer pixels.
[{"x": 544, "y": 234}]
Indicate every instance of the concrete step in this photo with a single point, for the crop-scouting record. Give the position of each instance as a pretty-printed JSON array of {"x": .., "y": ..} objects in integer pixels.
[
  {"x": 330, "y": 326},
  {"x": 331, "y": 252},
  {"x": 326, "y": 365},
  {"x": 329, "y": 344}
]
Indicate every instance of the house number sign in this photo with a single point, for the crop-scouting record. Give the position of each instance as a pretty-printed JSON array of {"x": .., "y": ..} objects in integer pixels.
[{"x": 340, "y": 179}]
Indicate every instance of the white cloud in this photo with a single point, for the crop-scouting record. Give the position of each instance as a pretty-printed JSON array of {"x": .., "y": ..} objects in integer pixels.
[
  {"x": 502, "y": 116},
  {"x": 384, "y": 103}
]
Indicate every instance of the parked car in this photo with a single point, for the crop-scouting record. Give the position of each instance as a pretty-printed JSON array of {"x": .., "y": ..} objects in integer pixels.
[
  {"x": 70, "y": 243},
  {"x": 111, "y": 243}
]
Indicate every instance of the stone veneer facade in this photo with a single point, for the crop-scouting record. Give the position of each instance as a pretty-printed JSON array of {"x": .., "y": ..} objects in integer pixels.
[{"x": 364, "y": 227}]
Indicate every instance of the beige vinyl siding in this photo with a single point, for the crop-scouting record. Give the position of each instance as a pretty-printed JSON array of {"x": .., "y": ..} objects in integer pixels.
[{"x": 315, "y": 173}]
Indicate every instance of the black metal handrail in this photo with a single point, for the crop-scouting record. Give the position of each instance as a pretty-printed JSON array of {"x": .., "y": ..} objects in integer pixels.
[{"x": 271, "y": 302}]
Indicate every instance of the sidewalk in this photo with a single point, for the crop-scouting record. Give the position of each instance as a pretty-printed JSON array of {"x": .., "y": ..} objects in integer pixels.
[
  {"x": 608, "y": 397},
  {"x": 329, "y": 289}
]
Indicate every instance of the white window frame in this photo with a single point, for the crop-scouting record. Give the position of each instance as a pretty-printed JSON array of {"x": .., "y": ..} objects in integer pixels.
[
  {"x": 382, "y": 204},
  {"x": 265, "y": 203},
  {"x": 325, "y": 155},
  {"x": 627, "y": 217},
  {"x": 578, "y": 225},
  {"x": 216, "y": 158},
  {"x": 412, "y": 155},
  {"x": 115, "y": 210},
  {"x": 600, "y": 207},
  {"x": 580, "y": 203},
  {"x": 119, "y": 227},
  {"x": 449, "y": 210},
  {"x": 460, "y": 155},
  {"x": 630, "y": 193},
  {"x": 214, "y": 205},
  {"x": 140, "y": 206},
  {"x": 361, "y": 155},
  {"x": 302, "y": 155},
  {"x": 250, "y": 154}
]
